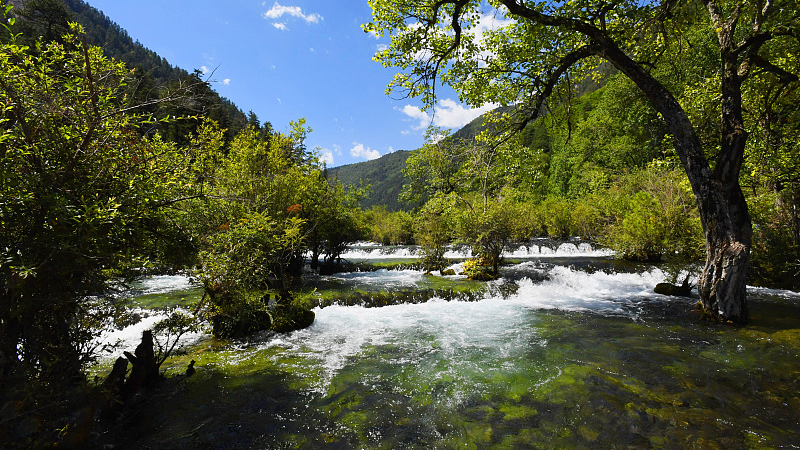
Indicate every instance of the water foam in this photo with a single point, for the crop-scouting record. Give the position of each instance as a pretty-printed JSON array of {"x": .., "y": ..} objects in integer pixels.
[
  {"x": 383, "y": 277},
  {"x": 113, "y": 342},
  {"x": 566, "y": 249},
  {"x": 367, "y": 252},
  {"x": 370, "y": 250},
  {"x": 573, "y": 290},
  {"x": 493, "y": 325},
  {"x": 161, "y": 284}
]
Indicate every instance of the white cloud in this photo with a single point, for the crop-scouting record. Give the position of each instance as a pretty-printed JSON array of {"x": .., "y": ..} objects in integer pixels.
[
  {"x": 359, "y": 151},
  {"x": 391, "y": 150},
  {"x": 204, "y": 69},
  {"x": 450, "y": 114},
  {"x": 279, "y": 25},
  {"x": 490, "y": 21},
  {"x": 447, "y": 113},
  {"x": 277, "y": 11},
  {"x": 382, "y": 47},
  {"x": 416, "y": 113},
  {"x": 226, "y": 81},
  {"x": 326, "y": 156}
]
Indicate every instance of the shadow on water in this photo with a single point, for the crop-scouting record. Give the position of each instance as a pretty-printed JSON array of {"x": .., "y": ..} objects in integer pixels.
[{"x": 223, "y": 406}]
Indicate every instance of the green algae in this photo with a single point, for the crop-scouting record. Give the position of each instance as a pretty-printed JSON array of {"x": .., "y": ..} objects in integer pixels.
[{"x": 183, "y": 297}]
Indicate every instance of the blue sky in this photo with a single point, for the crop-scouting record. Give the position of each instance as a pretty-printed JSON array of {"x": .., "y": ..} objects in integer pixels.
[{"x": 291, "y": 59}]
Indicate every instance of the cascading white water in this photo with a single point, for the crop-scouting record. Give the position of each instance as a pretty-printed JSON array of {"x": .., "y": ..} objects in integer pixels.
[
  {"x": 113, "y": 342},
  {"x": 372, "y": 251},
  {"x": 160, "y": 284},
  {"x": 340, "y": 332},
  {"x": 460, "y": 331}
]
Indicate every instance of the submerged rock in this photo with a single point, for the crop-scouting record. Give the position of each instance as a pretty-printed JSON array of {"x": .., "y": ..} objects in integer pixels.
[{"x": 684, "y": 290}]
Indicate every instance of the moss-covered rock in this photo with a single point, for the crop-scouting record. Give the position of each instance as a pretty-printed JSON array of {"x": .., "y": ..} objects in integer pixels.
[
  {"x": 476, "y": 269},
  {"x": 291, "y": 318}
]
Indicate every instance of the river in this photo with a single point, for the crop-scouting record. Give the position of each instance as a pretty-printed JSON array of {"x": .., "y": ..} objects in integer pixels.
[{"x": 569, "y": 349}]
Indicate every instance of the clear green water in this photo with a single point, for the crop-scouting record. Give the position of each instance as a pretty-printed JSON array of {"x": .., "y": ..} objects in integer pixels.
[{"x": 554, "y": 357}]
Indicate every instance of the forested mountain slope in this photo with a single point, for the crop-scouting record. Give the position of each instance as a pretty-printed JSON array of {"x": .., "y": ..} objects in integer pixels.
[
  {"x": 50, "y": 20},
  {"x": 384, "y": 175}
]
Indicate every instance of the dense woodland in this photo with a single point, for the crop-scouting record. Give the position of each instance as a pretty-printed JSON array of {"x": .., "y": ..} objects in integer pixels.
[{"x": 109, "y": 174}]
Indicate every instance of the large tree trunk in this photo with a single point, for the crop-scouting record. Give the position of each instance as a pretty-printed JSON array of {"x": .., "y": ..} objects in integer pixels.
[
  {"x": 726, "y": 220},
  {"x": 721, "y": 204},
  {"x": 722, "y": 285}
]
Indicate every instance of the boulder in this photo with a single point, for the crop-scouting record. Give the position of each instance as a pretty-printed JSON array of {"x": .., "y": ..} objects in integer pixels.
[{"x": 684, "y": 290}]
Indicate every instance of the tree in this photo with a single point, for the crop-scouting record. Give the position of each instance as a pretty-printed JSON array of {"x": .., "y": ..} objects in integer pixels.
[
  {"x": 267, "y": 200},
  {"x": 47, "y": 20},
  {"x": 545, "y": 47}
]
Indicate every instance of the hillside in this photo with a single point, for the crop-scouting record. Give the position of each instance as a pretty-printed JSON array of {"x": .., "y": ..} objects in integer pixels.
[
  {"x": 385, "y": 175},
  {"x": 49, "y": 20}
]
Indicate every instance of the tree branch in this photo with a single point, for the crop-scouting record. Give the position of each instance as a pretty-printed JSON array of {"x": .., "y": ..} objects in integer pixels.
[{"x": 566, "y": 62}]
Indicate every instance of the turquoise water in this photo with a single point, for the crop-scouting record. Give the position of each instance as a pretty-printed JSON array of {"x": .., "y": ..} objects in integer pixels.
[{"x": 567, "y": 352}]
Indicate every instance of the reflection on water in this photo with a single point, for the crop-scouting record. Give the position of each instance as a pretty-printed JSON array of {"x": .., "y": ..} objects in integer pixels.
[{"x": 554, "y": 356}]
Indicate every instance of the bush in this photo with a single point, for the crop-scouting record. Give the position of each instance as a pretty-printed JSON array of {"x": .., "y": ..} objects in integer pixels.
[
  {"x": 656, "y": 215},
  {"x": 641, "y": 234},
  {"x": 432, "y": 233},
  {"x": 588, "y": 218},
  {"x": 556, "y": 213},
  {"x": 775, "y": 254},
  {"x": 479, "y": 269},
  {"x": 390, "y": 228},
  {"x": 246, "y": 264}
]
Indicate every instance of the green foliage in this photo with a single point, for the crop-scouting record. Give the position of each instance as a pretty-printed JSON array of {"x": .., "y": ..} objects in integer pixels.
[
  {"x": 82, "y": 194},
  {"x": 247, "y": 254},
  {"x": 479, "y": 269},
  {"x": 384, "y": 176},
  {"x": 641, "y": 235},
  {"x": 656, "y": 217},
  {"x": 245, "y": 264},
  {"x": 464, "y": 182},
  {"x": 168, "y": 332},
  {"x": 83, "y": 200},
  {"x": 267, "y": 204},
  {"x": 590, "y": 217},
  {"x": 776, "y": 253},
  {"x": 155, "y": 76},
  {"x": 556, "y": 213},
  {"x": 390, "y": 228},
  {"x": 45, "y": 20},
  {"x": 715, "y": 74},
  {"x": 432, "y": 233}
]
